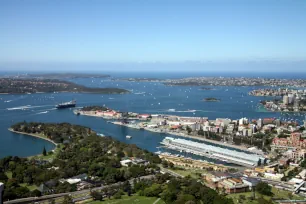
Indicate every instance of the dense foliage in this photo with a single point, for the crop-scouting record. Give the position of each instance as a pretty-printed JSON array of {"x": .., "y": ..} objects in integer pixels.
[
  {"x": 170, "y": 190},
  {"x": 85, "y": 152},
  {"x": 264, "y": 189},
  {"x": 99, "y": 158},
  {"x": 179, "y": 191}
]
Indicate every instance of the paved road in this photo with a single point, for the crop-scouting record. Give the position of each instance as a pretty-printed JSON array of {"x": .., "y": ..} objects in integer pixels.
[
  {"x": 87, "y": 191},
  {"x": 171, "y": 172}
]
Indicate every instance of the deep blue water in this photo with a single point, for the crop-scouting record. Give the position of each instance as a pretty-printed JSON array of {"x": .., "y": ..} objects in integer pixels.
[{"x": 235, "y": 103}]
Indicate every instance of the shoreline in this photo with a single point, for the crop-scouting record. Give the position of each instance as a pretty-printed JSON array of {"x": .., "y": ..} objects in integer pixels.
[
  {"x": 33, "y": 135},
  {"x": 242, "y": 148},
  {"x": 191, "y": 137},
  {"x": 82, "y": 92}
]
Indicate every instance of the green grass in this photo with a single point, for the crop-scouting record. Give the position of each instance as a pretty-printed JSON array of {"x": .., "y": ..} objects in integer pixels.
[
  {"x": 130, "y": 200},
  {"x": 279, "y": 194},
  {"x": 51, "y": 156},
  {"x": 9, "y": 174},
  {"x": 30, "y": 187}
]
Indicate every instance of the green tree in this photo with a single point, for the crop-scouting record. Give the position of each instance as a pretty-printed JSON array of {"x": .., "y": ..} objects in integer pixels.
[
  {"x": 264, "y": 189},
  {"x": 35, "y": 193},
  {"x": 3, "y": 177},
  {"x": 201, "y": 132},
  {"x": 259, "y": 162},
  {"x": 153, "y": 191},
  {"x": 189, "y": 130},
  {"x": 117, "y": 195},
  {"x": 303, "y": 163},
  {"x": 96, "y": 195},
  {"x": 44, "y": 152}
]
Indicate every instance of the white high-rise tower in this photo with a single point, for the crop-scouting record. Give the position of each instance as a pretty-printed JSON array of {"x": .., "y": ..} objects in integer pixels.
[{"x": 1, "y": 192}]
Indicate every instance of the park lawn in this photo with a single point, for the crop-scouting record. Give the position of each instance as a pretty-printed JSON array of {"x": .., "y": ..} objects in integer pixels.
[
  {"x": 130, "y": 200},
  {"x": 279, "y": 194},
  {"x": 49, "y": 156},
  {"x": 30, "y": 187}
]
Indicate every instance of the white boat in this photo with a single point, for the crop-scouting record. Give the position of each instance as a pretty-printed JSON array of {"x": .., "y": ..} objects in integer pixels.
[{"x": 128, "y": 137}]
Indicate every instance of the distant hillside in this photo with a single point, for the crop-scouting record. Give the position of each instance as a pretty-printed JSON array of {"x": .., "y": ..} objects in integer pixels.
[{"x": 22, "y": 86}]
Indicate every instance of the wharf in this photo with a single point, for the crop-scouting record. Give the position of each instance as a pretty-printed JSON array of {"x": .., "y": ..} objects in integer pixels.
[
  {"x": 192, "y": 163},
  {"x": 164, "y": 131}
]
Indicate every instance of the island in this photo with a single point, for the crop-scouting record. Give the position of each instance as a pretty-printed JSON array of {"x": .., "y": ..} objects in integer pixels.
[
  {"x": 211, "y": 100},
  {"x": 26, "y": 86}
]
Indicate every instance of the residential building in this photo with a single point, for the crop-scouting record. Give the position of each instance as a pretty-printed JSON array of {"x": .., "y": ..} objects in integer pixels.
[{"x": 1, "y": 192}]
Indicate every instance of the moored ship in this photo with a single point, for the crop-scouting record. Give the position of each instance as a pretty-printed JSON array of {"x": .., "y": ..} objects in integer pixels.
[{"x": 69, "y": 104}]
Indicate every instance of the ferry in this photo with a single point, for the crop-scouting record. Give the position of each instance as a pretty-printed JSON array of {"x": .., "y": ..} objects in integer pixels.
[
  {"x": 128, "y": 137},
  {"x": 66, "y": 105}
]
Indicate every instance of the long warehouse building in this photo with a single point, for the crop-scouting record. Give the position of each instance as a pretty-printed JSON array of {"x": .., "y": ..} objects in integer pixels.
[{"x": 224, "y": 154}]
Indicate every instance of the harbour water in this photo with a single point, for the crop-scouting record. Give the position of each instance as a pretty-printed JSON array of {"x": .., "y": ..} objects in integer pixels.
[{"x": 154, "y": 98}]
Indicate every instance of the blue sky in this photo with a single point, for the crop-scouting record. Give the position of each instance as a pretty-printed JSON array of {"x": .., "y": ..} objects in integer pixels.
[{"x": 37, "y": 33}]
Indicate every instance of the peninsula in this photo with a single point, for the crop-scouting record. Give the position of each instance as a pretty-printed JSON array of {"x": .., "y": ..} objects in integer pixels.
[
  {"x": 234, "y": 81},
  {"x": 65, "y": 75},
  {"x": 278, "y": 92},
  {"x": 24, "y": 86},
  {"x": 83, "y": 160}
]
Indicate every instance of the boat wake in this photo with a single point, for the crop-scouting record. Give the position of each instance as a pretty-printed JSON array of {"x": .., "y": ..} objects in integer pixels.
[
  {"x": 19, "y": 107},
  {"x": 138, "y": 93},
  {"x": 26, "y": 107},
  {"x": 44, "y": 112},
  {"x": 178, "y": 111}
]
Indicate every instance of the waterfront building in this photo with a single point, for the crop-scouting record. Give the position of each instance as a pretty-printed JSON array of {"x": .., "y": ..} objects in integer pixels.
[
  {"x": 243, "y": 121},
  {"x": 230, "y": 128},
  {"x": 224, "y": 121},
  {"x": 216, "y": 152},
  {"x": 291, "y": 98},
  {"x": 267, "y": 121},
  {"x": 297, "y": 102},
  {"x": 277, "y": 122},
  {"x": 285, "y": 100},
  {"x": 259, "y": 123},
  {"x": 1, "y": 192}
]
